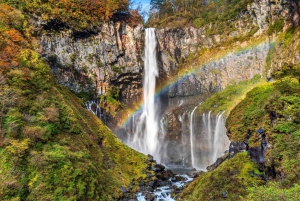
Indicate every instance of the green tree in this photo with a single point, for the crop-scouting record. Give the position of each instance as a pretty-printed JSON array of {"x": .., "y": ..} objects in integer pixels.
[{"x": 7, "y": 98}]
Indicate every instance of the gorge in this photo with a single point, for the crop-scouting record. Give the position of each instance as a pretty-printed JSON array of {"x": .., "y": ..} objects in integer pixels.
[{"x": 96, "y": 105}]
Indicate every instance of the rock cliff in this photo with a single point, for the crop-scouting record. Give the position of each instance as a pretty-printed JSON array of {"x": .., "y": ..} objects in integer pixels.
[
  {"x": 97, "y": 62},
  {"x": 111, "y": 60},
  {"x": 176, "y": 45},
  {"x": 113, "y": 56}
]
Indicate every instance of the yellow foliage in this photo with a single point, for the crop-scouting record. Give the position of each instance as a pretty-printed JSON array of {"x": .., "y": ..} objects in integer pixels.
[
  {"x": 18, "y": 148},
  {"x": 35, "y": 133},
  {"x": 31, "y": 182}
]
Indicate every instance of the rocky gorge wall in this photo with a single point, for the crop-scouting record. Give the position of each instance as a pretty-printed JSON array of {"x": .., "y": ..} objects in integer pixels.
[
  {"x": 113, "y": 57},
  {"x": 177, "y": 44},
  {"x": 111, "y": 60},
  {"x": 98, "y": 62}
]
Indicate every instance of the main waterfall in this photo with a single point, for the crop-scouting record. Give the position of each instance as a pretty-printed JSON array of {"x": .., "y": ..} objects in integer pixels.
[
  {"x": 191, "y": 142},
  {"x": 145, "y": 138}
]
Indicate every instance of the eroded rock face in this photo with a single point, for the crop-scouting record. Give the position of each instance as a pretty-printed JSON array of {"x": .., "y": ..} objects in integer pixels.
[
  {"x": 176, "y": 44},
  {"x": 112, "y": 57}
]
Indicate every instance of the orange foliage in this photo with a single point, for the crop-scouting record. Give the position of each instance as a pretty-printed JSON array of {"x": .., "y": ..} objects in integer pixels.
[
  {"x": 76, "y": 14},
  {"x": 11, "y": 40},
  {"x": 14, "y": 35}
]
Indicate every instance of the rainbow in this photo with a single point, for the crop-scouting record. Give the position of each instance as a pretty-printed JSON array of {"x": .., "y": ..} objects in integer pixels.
[{"x": 187, "y": 72}]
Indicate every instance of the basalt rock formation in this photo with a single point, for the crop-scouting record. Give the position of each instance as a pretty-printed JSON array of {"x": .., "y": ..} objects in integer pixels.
[
  {"x": 113, "y": 56},
  {"x": 98, "y": 62},
  {"x": 176, "y": 45}
]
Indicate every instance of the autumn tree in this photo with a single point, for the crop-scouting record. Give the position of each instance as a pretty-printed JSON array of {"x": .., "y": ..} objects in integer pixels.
[{"x": 7, "y": 98}]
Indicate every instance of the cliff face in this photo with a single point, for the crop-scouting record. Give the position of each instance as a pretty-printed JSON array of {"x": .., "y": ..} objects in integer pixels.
[
  {"x": 113, "y": 57},
  {"x": 97, "y": 62},
  {"x": 224, "y": 58},
  {"x": 177, "y": 45}
]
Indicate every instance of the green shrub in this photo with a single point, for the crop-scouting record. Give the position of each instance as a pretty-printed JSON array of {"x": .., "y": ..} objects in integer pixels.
[
  {"x": 13, "y": 122},
  {"x": 226, "y": 99},
  {"x": 286, "y": 127},
  {"x": 233, "y": 177},
  {"x": 276, "y": 27},
  {"x": 273, "y": 192}
]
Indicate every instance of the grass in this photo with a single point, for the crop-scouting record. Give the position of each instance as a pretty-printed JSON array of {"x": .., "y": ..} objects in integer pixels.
[
  {"x": 232, "y": 176},
  {"x": 228, "y": 98}
]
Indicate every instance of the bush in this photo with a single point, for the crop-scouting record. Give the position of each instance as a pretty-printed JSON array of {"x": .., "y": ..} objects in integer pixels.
[
  {"x": 276, "y": 27},
  {"x": 273, "y": 192},
  {"x": 34, "y": 133},
  {"x": 286, "y": 127}
]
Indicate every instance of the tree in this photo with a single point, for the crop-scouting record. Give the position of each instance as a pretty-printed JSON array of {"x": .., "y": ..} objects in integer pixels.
[{"x": 7, "y": 98}]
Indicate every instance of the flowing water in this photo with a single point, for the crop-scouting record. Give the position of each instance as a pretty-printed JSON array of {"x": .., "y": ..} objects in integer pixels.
[
  {"x": 164, "y": 193},
  {"x": 203, "y": 139},
  {"x": 191, "y": 136},
  {"x": 145, "y": 137},
  {"x": 211, "y": 141},
  {"x": 93, "y": 106},
  {"x": 202, "y": 142}
]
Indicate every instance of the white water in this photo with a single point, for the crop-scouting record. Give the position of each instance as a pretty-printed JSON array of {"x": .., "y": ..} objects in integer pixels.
[
  {"x": 145, "y": 138},
  {"x": 220, "y": 137},
  {"x": 163, "y": 193},
  {"x": 94, "y": 103},
  {"x": 192, "y": 136},
  {"x": 181, "y": 119},
  {"x": 213, "y": 138}
]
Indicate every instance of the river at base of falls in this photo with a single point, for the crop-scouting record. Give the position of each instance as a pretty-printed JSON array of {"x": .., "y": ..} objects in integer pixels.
[{"x": 175, "y": 185}]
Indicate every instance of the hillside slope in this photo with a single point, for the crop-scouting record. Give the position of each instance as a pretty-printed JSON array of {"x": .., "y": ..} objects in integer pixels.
[
  {"x": 264, "y": 125},
  {"x": 51, "y": 148}
]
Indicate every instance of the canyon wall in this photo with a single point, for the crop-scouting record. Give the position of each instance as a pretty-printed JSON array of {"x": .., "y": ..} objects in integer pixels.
[
  {"x": 110, "y": 61},
  {"x": 98, "y": 62},
  {"x": 113, "y": 57},
  {"x": 176, "y": 45}
]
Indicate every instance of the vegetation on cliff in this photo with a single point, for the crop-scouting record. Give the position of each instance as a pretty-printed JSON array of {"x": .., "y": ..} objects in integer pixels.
[
  {"x": 273, "y": 106},
  {"x": 51, "y": 148},
  {"x": 81, "y": 16},
  {"x": 232, "y": 177},
  {"x": 228, "y": 98},
  {"x": 197, "y": 13}
]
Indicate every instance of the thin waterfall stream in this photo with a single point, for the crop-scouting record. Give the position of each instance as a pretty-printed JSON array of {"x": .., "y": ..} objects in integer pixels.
[{"x": 191, "y": 136}]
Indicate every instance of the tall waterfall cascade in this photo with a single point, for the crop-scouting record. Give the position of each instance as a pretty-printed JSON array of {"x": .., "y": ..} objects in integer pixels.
[
  {"x": 145, "y": 137},
  {"x": 210, "y": 141},
  {"x": 181, "y": 139}
]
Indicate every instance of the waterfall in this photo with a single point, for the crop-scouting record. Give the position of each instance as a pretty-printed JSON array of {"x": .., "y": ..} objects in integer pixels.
[
  {"x": 145, "y": 137},
  {"x": 212, "y": 140},
  {"x": 191, "y": 136},
  {"x": 219, "y": 134},
  {"x": 183, "y": 149},
  {"x": 93, "y": 106}
]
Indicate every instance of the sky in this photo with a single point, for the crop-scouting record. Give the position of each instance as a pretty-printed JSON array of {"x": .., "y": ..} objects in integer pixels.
[{"x": 145, "y": 4}]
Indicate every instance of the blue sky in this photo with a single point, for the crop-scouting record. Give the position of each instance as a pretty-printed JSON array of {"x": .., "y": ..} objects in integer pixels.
[{"x": 145, "y": 3}]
